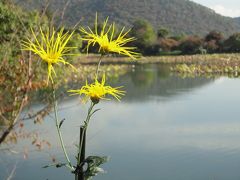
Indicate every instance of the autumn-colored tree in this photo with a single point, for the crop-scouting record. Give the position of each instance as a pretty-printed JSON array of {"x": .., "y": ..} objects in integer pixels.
[
  {"x": 211, "y": 46},
  {"x": 214, "y": 35},
  {"x": 168, "y": 44},
  {"x": 191, "y": 45},
  {"x": 214, "y": 41}
]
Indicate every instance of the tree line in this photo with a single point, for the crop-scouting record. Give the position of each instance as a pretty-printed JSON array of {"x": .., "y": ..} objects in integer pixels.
[
  {"x": 15, "y": 24},
  {"x": 162, "y": 42}
]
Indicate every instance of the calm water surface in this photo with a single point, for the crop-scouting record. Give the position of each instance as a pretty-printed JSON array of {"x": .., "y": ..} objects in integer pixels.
[{"x": 166, "y": 128}]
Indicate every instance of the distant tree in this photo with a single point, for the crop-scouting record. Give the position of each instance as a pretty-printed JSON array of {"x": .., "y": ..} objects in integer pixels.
[
  {"x": 232, "y": 44},
  {"x": 178, "y": 37},
  {"x": 212, "y": 46},
  {"x": 213, "y": 42},
  {"x": 144, "y": 34},
  {"x": 162, "y": 32},
  {"x": 153, "y": 49},
  {"x": 214, "y": 35},
  {"x": 168, "y": 44},
  {"x": 191, "y": 45}
]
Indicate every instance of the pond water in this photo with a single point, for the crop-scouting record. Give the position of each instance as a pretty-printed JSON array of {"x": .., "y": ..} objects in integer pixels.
[{"x": 166, "y": 127}]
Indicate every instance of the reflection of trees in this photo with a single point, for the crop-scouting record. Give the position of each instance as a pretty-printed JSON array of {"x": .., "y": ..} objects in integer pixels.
[
  {"x": 155, "y": 80},
  {"x": 142, "y": 76},
  {"x": 163, "y": 71},
  {"x": 140, "y": 82}
]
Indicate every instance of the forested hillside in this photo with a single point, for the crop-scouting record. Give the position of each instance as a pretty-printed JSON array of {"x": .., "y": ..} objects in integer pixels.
[{"x": 180, "y": 16}]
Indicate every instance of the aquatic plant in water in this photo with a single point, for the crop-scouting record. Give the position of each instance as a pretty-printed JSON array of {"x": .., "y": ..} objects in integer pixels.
[{"x": 210, "y": 69}]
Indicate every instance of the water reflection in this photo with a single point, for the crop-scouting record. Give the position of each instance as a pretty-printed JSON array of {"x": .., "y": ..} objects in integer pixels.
[
  {"x": 148, "y": 82},
  {"x": 165, "y": 128}
]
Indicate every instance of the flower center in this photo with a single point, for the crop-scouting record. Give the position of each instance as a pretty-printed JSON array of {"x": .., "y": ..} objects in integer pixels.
[
  {"x": 51, "y": 58},
  {"x": 105, "y": 43}
]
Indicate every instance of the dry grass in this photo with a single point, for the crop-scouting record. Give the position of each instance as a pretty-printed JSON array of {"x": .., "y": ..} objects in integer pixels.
[{"x": 186, "y": 59}]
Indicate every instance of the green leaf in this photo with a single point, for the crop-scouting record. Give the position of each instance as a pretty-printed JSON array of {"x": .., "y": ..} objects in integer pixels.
[
  {"x": 93, "y": 168},
  {"x": 57, "y": 165},
  {"x": 61, "y": 122}
]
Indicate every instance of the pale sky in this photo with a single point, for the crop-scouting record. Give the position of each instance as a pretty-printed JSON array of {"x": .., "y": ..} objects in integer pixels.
[{"x": 224, "y": 7}]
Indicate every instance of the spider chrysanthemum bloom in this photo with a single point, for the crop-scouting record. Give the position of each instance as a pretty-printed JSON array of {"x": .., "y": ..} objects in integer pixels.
[
  {"x": 50, "y": 47},
  {"x": 98, "y": 90},
  {"x": 108, "y": 41}
]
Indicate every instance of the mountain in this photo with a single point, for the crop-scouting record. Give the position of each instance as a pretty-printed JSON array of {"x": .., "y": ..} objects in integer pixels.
[
  {"x": 237, "y": 20},
  {"x": 180, "y": 16}
]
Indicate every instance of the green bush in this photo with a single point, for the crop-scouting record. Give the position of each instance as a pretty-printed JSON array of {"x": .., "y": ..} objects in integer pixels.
[
  {"x": 14, "y": 27},
  {"x": 232, "y": 44},
  {"x": 144, "y": 34}
]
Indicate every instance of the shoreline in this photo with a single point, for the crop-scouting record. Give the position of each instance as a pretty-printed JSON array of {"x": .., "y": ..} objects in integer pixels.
[{"x": 205, "y": 59}]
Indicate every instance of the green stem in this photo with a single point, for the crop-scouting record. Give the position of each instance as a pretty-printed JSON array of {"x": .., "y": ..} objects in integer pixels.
[
  {"x": 86, "y": 122},
  {"x": 85, "y": 126},
  {"x": 69, "y": 165},
  {"x": 99, "y": 63},
  {"x": 79, "y": 173}
]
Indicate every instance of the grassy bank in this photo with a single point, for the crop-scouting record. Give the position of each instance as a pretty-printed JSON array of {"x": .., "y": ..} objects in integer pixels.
[
  {"x": 216, "y": 59},
  {"x": 188, "y": 65}
]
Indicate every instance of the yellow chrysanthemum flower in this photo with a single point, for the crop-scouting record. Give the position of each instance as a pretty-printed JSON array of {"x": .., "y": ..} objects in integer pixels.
[
  {"x": 98, "y": 90},
  {"x": 107, "y": 41},
  {"x": 51, "y": 48}
]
